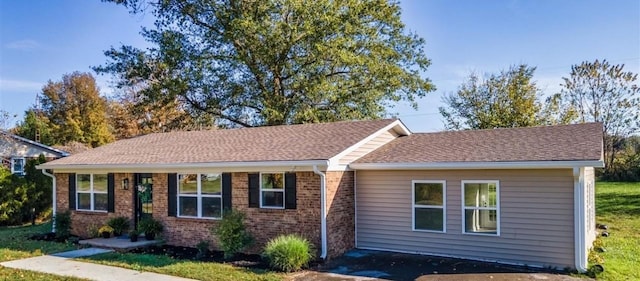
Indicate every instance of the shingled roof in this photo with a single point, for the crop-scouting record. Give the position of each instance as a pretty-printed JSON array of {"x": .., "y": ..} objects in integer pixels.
[
  {"x": 275, "y": 143},
  {"x": 580, "y": 142}
]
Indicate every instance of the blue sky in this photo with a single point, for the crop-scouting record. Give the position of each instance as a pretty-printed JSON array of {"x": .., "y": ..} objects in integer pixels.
[{"x": 41, "y": 40}]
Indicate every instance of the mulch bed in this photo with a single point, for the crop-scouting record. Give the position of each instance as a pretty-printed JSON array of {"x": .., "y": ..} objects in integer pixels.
[
  {"x": 51, "y": 237},
  {"x": 188, "y": 253}
]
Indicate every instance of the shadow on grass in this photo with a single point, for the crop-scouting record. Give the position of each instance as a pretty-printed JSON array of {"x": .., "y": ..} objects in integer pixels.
[
  {"x": 618, "y": 199},
  {"x": 15, "y": 242}
]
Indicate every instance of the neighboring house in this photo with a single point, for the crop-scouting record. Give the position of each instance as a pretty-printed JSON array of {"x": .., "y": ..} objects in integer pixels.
[
  {"x": 15, "y": 151},
  {"x": 517, "y": 196}
]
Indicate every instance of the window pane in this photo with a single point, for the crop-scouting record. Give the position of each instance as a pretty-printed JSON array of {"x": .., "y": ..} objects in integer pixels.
[
  {"x": 480, "y": 221},
  {"x": 272, "y": 199},
  {"x": 83, "y": 182},
  {"x": 480, "y": 195},
  {"x": 429, "y": 219},
  {"x": 100, "y": 183},
  {"x": 273, "y": 181},
  {"x": 428, "y": 194},
  {"x": 211, "y": 207},
  {"x": 100, "y": 203},
  {"x": 211, "y": 184},
  {"x": 188, "y": 206},
  {"x": 188, "y": 184},
  {"x": 84, "y": 201},
  {"x": 18, "y": 165}
]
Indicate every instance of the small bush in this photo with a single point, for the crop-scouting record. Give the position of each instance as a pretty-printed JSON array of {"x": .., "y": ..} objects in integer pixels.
[
  {"x": 120, "y": 225},
  {"x": 203, "y": 249},
  {"x": 92, "y": 231},
  {"x": 231, "y": 233},
  {"x": 63, "y": 225},
  {"x": 288, "y": 252}
]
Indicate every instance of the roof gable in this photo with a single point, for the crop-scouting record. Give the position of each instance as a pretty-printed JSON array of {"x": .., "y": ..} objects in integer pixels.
[{"x": 17, "y": 146}]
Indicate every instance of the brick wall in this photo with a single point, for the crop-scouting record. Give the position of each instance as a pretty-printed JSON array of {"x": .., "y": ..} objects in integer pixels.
[
  {"x": 81, "y": 221},
  {"x": 340, "y": 213}
]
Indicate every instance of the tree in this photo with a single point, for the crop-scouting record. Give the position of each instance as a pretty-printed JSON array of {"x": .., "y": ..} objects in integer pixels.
[
  {"x": 601, "y": 92},
  {"x": 32, "y": 125},
  {"x": 508, "y": 99},
  {"x": 75, "y": 111},
  {"x": 250, "y": 63}
]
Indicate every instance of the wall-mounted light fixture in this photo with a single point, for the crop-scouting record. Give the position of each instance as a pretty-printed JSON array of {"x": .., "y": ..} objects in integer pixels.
[{"x": 125, "y": 184}]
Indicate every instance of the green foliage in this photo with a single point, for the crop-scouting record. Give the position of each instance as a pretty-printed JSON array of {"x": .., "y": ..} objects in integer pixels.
[
  {"x": 150, "y": 225},
  {"x": 231, "y": 233},
  {"x": 19, "y": 196},
  {"x": 119, "y": 224},
  {"x": 508, "y": 99},
  {"x": 249, "y": 63},
  {"x": 203, "y": 249},
  {"x": 74, "y": 111},
  {"x": 601, "y": 92},
  {"x": 92, "y": 231},
  {"x": 33, "y": 123},
  {"x": 288, "y": 253},
  {"x": 63, "y": 225}
]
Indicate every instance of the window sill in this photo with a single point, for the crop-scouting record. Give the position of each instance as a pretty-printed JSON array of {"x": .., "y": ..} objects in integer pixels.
[
  {"x": 482, "y": 234},
  {"x": 197, "y": 218},
  {"x": 429, "y": 231},
  {"x": 90, "y": 212}
]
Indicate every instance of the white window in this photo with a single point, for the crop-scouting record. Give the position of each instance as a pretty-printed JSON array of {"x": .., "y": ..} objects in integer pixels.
[
  {"x": 200, "y": 195},
  {"x": 17, "y": 166},
  {"x": 91, "y": 192},
  {"x": 429, "y": 205},
  {"x": 481, "y": 207},
  {"x": 272, "y": 190}
]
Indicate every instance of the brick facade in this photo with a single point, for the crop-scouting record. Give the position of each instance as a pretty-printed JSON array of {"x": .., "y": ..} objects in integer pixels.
[{"x": 263, "y": 224}]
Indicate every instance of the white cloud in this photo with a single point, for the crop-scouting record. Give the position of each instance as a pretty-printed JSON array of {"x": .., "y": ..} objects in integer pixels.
[
  {"x": 9, "y": 85},
  {"x": 26, "y": 44}
]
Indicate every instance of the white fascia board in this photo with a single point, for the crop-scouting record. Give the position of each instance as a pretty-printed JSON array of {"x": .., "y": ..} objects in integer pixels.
[
  {"x": 333, "y": 162},
  {"x": 263, "y": 166},
  {"x": 476, "y": 165}
]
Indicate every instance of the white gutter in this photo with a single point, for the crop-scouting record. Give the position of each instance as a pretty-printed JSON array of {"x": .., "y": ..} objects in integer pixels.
[
  {"x": 323, "y": 211},
  {"x": 173, "y": 166},
  {"x": 477, "y": 165},
  {"x": 579, "y": 220},
  {"x": 53, "y": 189}
]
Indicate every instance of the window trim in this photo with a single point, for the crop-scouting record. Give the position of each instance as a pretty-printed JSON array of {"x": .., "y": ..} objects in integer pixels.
[
  {"x": 497, "y": 208},
  {"x": 284, "y": 188},
  {"x": 24, "y": 163},
  {"x": 198, "y": 197},
  {"x": 91, "y": 193},
  {"x": 443, "y": 207}
]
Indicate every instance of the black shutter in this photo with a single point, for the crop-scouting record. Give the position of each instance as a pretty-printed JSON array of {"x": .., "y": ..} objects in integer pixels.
[
  {"x": 172, "y": 183},
  {"x": 72, "y": 192},
  {"x": 226, "y": 191},
  {"x": 290, "y": 190},
  {"x": 111, "y": 193},
  {"x": 254, "y": 190}
]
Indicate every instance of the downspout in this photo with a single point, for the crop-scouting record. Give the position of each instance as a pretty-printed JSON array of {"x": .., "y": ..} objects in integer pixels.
[
  {"x": 579, "y": 221},
  {"x": 323, "y": 211},
  {"x": 53, "y": 213}
]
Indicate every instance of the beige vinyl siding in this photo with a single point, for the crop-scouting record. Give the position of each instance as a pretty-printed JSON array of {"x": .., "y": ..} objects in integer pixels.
[
  {"x": 13, "y": 148},
  {"x": 369, "y": 146},
  {"x": 536, "y": 216}
]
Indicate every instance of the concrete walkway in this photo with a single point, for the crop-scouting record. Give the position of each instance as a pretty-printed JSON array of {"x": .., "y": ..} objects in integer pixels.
[{"x": 61, "y": 264}]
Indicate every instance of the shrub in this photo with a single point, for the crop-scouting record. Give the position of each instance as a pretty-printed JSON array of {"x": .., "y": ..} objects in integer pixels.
[
  {"x": 63, "y": 225},
  {"x": 231, "y": 233},
  {"x": 288, "y": 252},
  {"x": 119, "y": 224},
  {"x": 92, "y": 231},
  {"x": 150, "y": 226},
  {"x": 203, "y": 249}
]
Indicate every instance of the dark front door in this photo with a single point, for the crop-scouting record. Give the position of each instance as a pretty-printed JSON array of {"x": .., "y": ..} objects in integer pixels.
[{"x": 143, "y": 196}]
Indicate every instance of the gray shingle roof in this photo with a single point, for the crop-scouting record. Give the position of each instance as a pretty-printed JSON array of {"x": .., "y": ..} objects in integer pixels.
[
  {"x": 276, "y": 143},
  {"x": 553, "y": 143}
]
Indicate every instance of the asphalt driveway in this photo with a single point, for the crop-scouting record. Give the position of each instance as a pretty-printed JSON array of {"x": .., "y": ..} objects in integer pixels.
[{"x": 377, "y": 265}]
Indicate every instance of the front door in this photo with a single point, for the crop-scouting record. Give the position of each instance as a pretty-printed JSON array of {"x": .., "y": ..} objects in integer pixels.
[{"x": 143, "y": 196}]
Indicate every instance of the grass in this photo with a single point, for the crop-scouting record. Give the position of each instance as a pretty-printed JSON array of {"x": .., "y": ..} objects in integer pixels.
[
  {"x": 618, "y": 206},
  {"x": 206, "y": 271},
  {"x": 15, "y": 245}
]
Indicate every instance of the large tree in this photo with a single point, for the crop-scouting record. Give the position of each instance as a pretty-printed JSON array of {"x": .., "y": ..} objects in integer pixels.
[
  {"x": 34, "y": 127},
  {"x": 271, "y": 62},
  {"x": 75, "y": 111},
  {"x": 507, "y": 99},
  {"x": 601, "y": 92}
]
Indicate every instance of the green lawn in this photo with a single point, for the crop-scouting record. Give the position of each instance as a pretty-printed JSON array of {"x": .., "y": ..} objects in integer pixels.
[
  {"x": 618, "y": 206},
  {"x": 15, "y": 245},
  {"x": 206, "y": 271}
]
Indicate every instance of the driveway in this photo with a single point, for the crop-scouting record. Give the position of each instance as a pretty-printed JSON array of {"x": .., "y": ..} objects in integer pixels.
[{"x": 364, "y": 265}]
